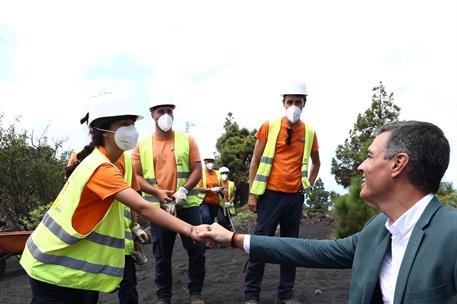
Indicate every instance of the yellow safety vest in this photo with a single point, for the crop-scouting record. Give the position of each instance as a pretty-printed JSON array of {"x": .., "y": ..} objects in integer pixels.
[
  {"x": 182, "y": 167},
  {"x": 129, "y": 246},
  {"x": 263, "y": 172},
  {"x": 57, "y": 254},
  {"x": 231, "y": 186}
]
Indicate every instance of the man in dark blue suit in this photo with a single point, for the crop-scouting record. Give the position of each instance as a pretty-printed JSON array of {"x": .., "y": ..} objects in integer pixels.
[{"x": 407, "y": 253}]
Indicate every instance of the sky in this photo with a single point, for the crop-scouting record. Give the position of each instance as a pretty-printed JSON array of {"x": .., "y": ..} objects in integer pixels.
[{"x": 215, "y": 57}]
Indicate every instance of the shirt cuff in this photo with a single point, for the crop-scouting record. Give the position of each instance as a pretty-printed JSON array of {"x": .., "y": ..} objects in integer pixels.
[{"x": 247, "y": 243}]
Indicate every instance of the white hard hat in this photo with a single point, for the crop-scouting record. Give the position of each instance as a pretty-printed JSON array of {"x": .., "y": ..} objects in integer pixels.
[
  {"x": 209, "y": 157},
  {"x": 224, "y": 170},
  {"x": 164, "y": 100},
  {"x": 110, "y": 105},
  {"x": 297, "y": 88}
]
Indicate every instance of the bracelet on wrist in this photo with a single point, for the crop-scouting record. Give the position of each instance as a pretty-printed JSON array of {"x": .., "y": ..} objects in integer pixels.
[{"x": 233, "y": 240}]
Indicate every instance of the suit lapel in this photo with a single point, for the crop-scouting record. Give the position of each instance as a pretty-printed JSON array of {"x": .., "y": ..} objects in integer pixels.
[
  {"x": 412, "y": 248},
  {"x": 375, "y": 267}
]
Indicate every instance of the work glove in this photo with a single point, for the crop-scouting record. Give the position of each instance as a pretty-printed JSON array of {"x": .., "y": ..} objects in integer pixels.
[
  {"x": 170, "y": 207},
  {"x": 180, "y": 196},
  {"x": 215, "y": 189},
  {"x": 222, "y": 191},
  {"x": 227, "y": 204},
  {"x": 139, "y": 258},
  {"x": 141, "y": 235}
]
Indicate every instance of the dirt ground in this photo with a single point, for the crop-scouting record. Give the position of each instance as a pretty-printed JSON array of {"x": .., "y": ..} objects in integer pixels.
[{"x": 224, "y": 276}]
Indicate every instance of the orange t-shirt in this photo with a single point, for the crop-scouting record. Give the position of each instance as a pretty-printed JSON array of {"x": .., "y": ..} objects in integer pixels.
[
  {"x": 211, "y": 198},
  {"x": 96, "y": 197},
  {"x": 165, "y": 160},
  {"x": 285, "y": 174}
]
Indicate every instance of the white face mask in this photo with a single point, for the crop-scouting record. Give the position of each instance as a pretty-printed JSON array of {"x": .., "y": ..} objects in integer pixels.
[
  {"x": 125, "y": 137},
  {"x": 224, "y": 176},
  {"x": 293, "y": 113},
  {"x": 209, "y": 166},
  {"x": 165, "y": 122}
]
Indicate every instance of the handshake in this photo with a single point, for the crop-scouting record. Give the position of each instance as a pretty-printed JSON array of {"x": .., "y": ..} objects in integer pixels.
[{"x": 215, "y": 234}]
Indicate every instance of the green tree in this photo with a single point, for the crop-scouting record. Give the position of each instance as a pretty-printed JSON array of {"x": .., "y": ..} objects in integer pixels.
[
  {"x": 319, "y": 199},
  {"x": 352, "y": 212},
  {"x": 351, "y": 154},
  {"x": 447, "y": 194},
  {"x": 32, "y": 174},
  {"x": 235, "y": 147}
]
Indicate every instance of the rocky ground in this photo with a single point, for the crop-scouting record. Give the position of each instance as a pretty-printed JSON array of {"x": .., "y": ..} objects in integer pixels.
[{"x": 224, "y": 278}]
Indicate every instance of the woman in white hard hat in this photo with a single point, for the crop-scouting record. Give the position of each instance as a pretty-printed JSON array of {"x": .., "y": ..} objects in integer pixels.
[
  {"x": 78, "y": 248},
  {"x": 226, "y": 207}
]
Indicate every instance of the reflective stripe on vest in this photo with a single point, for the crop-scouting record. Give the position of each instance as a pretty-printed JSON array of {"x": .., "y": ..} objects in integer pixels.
[
  {"x": 129, "y": 246},
  {"x": 181, "y": 141},
  {"x": 59, "y": 255},
  {"x": 266, "y": 161}
]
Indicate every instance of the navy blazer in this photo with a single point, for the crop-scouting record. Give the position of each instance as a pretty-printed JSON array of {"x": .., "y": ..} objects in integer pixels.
[{"x": 428, "y": 272}]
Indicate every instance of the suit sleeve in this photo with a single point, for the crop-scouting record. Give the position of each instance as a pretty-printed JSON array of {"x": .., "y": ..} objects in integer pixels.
[{"x": 304, "y": 253}]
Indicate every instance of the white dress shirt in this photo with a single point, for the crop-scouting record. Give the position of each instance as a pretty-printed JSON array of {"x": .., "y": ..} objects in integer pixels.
[{"x": 401, "y": 232}]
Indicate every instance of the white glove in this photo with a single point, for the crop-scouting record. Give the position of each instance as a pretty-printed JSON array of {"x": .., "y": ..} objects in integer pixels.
[
  {"x": 140, "y": 233},
  {"x": 227, "y": 204},
  {"x": 170, "y": 207},
  {"x": 139, "y": 258},
  {"x": 215, "y": 189},
  {"x": 180, "y": 196}
]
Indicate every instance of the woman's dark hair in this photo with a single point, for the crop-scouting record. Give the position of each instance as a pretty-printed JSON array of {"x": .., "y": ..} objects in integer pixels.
[{"x": 97, "y": 139}]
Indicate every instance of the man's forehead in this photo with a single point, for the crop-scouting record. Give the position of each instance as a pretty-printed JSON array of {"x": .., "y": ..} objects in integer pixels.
[
  {"x": 379, "y": 142},
  {"x": 164, "y": 107},
  {"x": 293, "y": 97}
]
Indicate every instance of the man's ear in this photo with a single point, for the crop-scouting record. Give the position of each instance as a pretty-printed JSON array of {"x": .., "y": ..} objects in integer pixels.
[{"x": 400, "y": 164}]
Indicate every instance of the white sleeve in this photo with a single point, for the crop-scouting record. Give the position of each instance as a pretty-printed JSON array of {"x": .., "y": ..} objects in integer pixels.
[{"x": 247, "y": 243}]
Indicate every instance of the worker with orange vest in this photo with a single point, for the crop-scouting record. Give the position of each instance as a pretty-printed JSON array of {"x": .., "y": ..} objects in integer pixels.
[
  {"x": 226, "y": 206},
  {"x": 278, "y": 178},
  {"x": 210, "y": 191},
  {"x": 78, "y": 249}
]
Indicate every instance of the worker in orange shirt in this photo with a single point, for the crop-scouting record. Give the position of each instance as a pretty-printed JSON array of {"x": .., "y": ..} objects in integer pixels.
[
  {"x": 168, "y": 166},
  {"x": 78, "y": 249},
  {"x": 210, "y": 191},
  {"x": 226, "y": 207},
  {"x": 127, "y": 292},
  {"x": 278, "y": 179}
]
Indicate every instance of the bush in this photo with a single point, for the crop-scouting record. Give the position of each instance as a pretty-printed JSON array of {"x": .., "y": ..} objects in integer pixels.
[
  {"x": 32, "y": 175},
  {"x": 351, "y": 211}
]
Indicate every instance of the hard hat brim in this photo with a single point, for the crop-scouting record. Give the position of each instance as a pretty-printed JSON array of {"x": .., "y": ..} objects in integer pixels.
[
  {"x": 138, "y": 117},
  {"x": 162, "y": 105}
]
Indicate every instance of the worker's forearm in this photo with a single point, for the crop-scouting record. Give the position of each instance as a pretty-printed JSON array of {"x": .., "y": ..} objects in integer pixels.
[
  {"x": 252, "y": 172},
  {"x": 313, "y": 173},
  {"x": 194, "y": 177},
  {"x": 146, "y": 186},
  {"x": 163, "y": 219}
]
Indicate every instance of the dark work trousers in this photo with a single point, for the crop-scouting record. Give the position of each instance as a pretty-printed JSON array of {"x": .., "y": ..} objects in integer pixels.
[
  {"x": 45, "y": 293},
  {"x": 224, "y": 220},
  {"x": 127, "y": 293},
  {"x": 275, "y": 208},
  {"x": 163, "y": 242},
  {"x": 208, "y": 213}
]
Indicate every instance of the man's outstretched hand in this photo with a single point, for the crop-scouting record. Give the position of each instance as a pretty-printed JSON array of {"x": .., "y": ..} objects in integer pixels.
[{"x": 215, "y": 234}]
